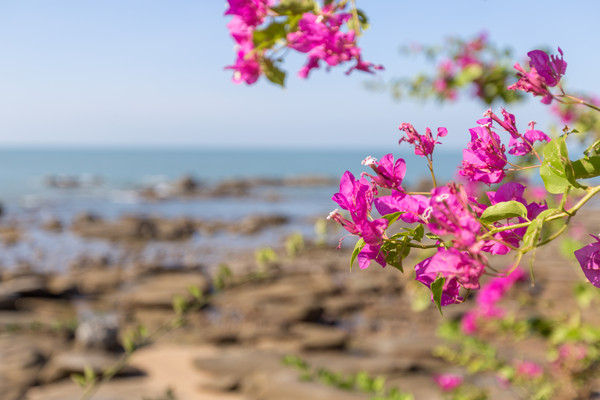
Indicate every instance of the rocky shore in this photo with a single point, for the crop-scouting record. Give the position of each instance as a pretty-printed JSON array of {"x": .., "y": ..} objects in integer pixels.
[
  {"x": 259, "y": 308},
  {"x": 308, "y": 305}
]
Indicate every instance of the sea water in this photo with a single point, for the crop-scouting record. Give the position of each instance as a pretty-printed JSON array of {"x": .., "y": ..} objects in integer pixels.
[{"x": 108, "y": 181}]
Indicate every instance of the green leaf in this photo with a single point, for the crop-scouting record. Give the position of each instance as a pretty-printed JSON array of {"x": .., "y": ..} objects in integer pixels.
[
  {"x": 587, "y": 167},
  {"x": 395, "y": 252},
  {"x": 89, "y": 374},
  {"x": 532, "y": 234},
  {"x": 418, "y": 232},
  {"x": 437, "y": 287},
  {"x": 556, "y": 170},
  {"x": 357, "y": 248},
  {"x": 179, "y": 304},
  {"x": 143, "y": 331},
  {"x": 469, "y": 74},
  {"x": 594, "y": 148},
  {"x": 272, "y": 72},
  {"x": 291, "y": 7},
  {"x": 393, "y": 217},
  {"x": 504, "y": 210},
  {"x": 269, "y": 35},
  {"x": 195, "y": 291},
  {"x": 128, "y": 344},
  {"x": 362, "y": 21},
  {"x": 545, "y": 214},
  {"x": 78, "y": 379},
  {"x": 432, "y": 236}
]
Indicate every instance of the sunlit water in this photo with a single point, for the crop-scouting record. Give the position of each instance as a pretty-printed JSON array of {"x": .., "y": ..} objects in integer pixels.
[{"x": 109, "y": 180}]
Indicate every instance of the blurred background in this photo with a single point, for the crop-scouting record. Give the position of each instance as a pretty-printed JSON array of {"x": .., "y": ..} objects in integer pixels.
[{"x": 125, "y": 144}]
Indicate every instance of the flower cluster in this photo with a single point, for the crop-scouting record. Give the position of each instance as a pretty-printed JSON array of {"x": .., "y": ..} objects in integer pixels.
[
  {"x": 320, "y": 36},
  {"x": 326, "y": 34},
  {"x": 448, "y": 382},
  {"x": 424, "y": 144},
  {"x": 462, "y": 228},
  {"x": 449, "y": 213},
  {"x": 484, "y": 159},
  {"x": 545, "y": 72},
  {"x": 474, "y": 64},
  {"x": 487, "y": 302},
  {"x": 247, "y": 16},
  {"x": 467, "y": 56},
  {"x": 356, "y": 197}
]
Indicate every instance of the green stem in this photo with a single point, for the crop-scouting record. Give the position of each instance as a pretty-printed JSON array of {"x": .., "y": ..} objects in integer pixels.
[
  {"x": 357, "y": 31},
  {"x": 555, "y": 234},
  {"x": 114, "y": 369},
  {"x": 591, "y": 192},
  {"x": 430, "y": 165},
  {"x": 580, "y": 101}
]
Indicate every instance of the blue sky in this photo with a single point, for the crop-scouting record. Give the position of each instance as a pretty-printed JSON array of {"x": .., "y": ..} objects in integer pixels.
[{"x": 150, "y": 73}]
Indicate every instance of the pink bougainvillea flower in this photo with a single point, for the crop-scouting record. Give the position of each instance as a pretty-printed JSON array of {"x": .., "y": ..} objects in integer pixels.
[
  {"x": 545, "y": 71},
  {"x": 364, "y": 66},
  {"x": 239, "y": 30},
  {"x": 424, "y": 144},
  {"x": 412, "y": 206},
  {"x": 589, "y": 259},
  {"x": 468, "y": 323},
  {"x": 370, "y": 253},
  {"x": 429, "y": 269},
  {"x": 524, "y": 145},
  {"x": 348, "y": 225},
  {"x": 449, "y": 214},
  {"x": 551, "y": 68},
  {"x": 372, "y": 231},
  {"x": 448, "y": 382},
  {"x": 532, "y": 82},
  {"x": 484, "y": 158},
  {"x": 252, "y": 12},
  {"x": 320, "y": 36},
  {"x": 487, "y": 299},
  {"x": 355, "y": 196},
  {"x": 519, "y": 144},
  {"x": 459, "y": 269},
  {"x": 507, "y": 123},
  {"x": 572, "y": 352},
  {"x": 530, "y": 370},
  {"x": 247, "y": 67},
  {"x": 389, "y": 173}
]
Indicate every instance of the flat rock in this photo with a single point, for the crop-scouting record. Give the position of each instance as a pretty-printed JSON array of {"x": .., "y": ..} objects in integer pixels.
[
  {"x": 286, "y": 384},
  {"x": 352, "y": 364},
  {"x": 20, "y": 361},
  {"x": 159, "y": 290},
  {"x": 75, "y": 361},
  {"x": 25, "y": 285},
  {"x": 115, "y": 389},
  {"x": 240, "y": 363},
  {"x": 319, "y": 337}
]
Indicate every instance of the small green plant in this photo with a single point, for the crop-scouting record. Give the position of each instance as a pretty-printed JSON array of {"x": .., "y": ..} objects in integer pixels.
[
  {"x": 265, "y": 257},
  {"x": 294, "y": 244},
  {"x": 321, "y": 232},
  {"x": 361, "y": 381},
  {"x": 222, "y": 276},
  {"x": 139, "y": 337}
]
